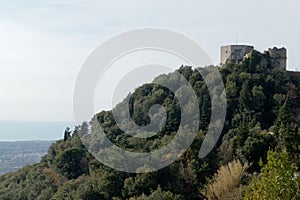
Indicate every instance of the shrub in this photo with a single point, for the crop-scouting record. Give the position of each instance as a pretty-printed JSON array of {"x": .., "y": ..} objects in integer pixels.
[
  {"x": 226, "y": 179},
  {"x": 278, "y": 180}
]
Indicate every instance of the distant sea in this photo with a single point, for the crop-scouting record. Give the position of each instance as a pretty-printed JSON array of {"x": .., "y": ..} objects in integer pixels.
[{"x": 30, "y": 130}]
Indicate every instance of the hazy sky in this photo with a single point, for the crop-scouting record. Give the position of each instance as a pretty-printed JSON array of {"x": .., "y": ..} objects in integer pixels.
[{"x": 44, "y": 43}]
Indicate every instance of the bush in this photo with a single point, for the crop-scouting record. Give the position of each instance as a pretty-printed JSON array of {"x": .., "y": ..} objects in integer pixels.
[
  {"x": 72, "y": 163},
  {"x": 226, "y": 179},
  {"x": 277, "y": 180}
]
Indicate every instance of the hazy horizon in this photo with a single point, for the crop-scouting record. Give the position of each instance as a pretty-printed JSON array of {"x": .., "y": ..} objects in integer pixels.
[
  {"x": 11, "y": 131},
  {"x": 43, "y": 44}
]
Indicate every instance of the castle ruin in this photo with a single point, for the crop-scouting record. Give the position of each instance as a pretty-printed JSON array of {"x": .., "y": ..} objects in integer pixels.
[
  {"x": 277, "y": 57},
  {"x": 234, "y": 53}
]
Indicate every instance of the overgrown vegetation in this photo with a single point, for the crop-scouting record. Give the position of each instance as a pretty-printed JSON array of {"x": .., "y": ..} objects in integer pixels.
[{"x": 262, "y": 115}]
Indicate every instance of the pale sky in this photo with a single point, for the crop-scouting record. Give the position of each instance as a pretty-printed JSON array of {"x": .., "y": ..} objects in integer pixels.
[{"x": 44, "y": 43}]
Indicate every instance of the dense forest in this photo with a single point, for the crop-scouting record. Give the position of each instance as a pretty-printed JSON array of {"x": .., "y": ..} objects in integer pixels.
[{"x": 257, "y": 156}]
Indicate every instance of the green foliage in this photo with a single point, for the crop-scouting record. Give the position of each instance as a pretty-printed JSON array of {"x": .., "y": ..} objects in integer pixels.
[
  {"x": 159, "y": 194},
  {"x": 141, "y": 182},
  {"x": 278, "y": 180},
  {"x": 255, "y": 148},
  {"x": 262, "y": 114},
  {"x": 287, "y": 134},
  {"x": 28, "y": 183},
  {"x": 72, "y": 163}
]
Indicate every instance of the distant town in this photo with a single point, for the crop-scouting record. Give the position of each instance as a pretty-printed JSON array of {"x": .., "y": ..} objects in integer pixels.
[{"x": 15, "y": 155}]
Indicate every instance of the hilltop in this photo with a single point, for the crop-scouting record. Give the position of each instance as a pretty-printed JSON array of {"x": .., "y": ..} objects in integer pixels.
[{"x": 261, "y": 132}]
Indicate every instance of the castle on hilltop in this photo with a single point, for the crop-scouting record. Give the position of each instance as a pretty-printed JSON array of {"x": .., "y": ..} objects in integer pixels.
[{"x": 237, "y": 53}]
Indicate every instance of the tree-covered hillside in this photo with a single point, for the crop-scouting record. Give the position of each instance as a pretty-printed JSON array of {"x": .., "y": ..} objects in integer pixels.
[{"x": 257, "y": 156}]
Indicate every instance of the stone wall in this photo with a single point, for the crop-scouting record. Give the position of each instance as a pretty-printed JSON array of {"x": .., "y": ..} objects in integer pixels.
[
  {"x": 278, "y": 57},
  {"x": 274, "y": 57},
  {"x": 234, "y": 52}
]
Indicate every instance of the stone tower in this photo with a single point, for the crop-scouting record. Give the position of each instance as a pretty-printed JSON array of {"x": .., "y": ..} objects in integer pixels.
[
  {"x": 234, "y": 52},
  {"x": 278, "y": 57}
]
